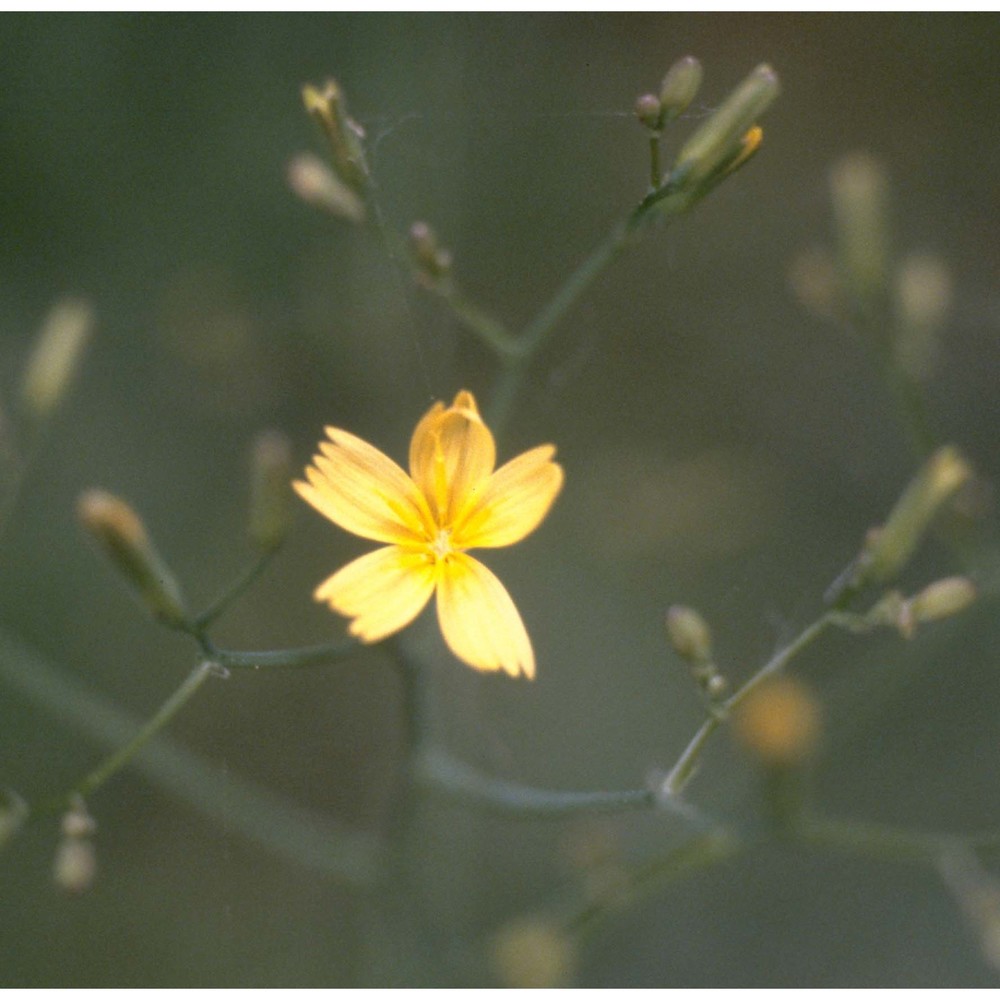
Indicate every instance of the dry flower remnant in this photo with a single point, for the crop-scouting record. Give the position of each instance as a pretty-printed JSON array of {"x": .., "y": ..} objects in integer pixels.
[{"x": 452, "y": 500}]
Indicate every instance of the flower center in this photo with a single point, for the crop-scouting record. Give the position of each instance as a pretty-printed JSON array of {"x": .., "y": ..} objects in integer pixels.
[{"x": 441, "y": 546}]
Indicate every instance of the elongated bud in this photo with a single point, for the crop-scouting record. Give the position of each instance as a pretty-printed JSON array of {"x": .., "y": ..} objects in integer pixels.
[
  {"x": 327, "y": 106},
  {"x": 941, "y": 599},
  {"x": 270, "y": 490},
  {"x": 888, "y": 548},
  {"x": 75, "y": 865},
  {"x": 779, "y": 722},
  {"x": 858, "y": 189},
  {"x": 723, "y": 135},
  {"x": 689, "y": 634},
  {"x": 533, "y": 953},
  {"x": 680, "y": 87},
  {"x": 121, "y": 534},
  {"x": 56, "y": 356},
  {"x": 923, "y": 298},
  {"x": 316, "y": 184}
]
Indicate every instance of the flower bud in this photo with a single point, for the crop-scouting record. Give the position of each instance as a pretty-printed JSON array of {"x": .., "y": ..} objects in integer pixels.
[
  {"x": 75, "y": 866},
  {"x": 56, "y": 357},
  {"x": 315, "y": 183},
  {"x": 270, "y": 490},
  {"x": 649, "y": 111},
  {"x": 328, "y": 107},
  {"x": 923, "y": 298},
  {"x": 888, "y": 548},
  {"x": 77, "y": 822},
  {"x": 778, "y": 722},
  {"x": 432, "y": 260},
  {"x": 532, "y": 953},
  {"x": 121, "y": 534},
  {"x": 723, "y": 136},
  {"x": 942, "y": 599},
  {"x": 680, "y": 86},
  {"x": 689, "y": 634},
  {"x": 858, "y": 189}
]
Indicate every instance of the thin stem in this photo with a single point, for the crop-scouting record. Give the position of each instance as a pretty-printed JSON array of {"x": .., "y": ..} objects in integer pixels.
[
  {"x": 236, "y": 589},
  {"x": 159, "y": 721},
  {"x": 655, "y": 170},
  {"x": 780, "y": 660},
  {"x": 700, "y": 852},
  {"x": 303, "y": 656},
  {"x": 886, "y": 842},
  {"x": 489, "y": 330},
  {"x": 682, "y": 772},
  {"x": 291, "y": 832},
  {"x": 442, "y": 774}
]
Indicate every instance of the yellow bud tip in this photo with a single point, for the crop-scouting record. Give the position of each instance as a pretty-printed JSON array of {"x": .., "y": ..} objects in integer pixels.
[
  {"x": 121, "y": 534},
  {"x": 110, "y": 520},
  {"x": 779, "y": 722}
]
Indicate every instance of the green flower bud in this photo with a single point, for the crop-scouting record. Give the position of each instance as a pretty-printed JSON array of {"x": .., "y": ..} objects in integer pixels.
[
  {"x": 680, "y": 86},
  {"x": 923, "y": 298},
  {"x": 721, "y": 137},
  {"x": 888, "y": 548},
  {"x": 120, "y": 532},
  {"x": 56, "y": 356},
  {"x": 270, "y": 490},
  {"x": 315, "y": 183},
  {"x": 858, "y": 189},
  {"x": 689, "y": 634}
]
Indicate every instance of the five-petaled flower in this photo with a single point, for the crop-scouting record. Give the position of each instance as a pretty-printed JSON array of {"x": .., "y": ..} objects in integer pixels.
[{"x": 451, "y": 501}]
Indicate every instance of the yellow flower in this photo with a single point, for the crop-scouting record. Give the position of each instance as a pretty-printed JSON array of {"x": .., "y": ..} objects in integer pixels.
[{"x": 451, "y": 501}]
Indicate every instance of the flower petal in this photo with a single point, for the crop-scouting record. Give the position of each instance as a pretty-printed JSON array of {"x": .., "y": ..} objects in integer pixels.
[
  {"x": 452, "y": 454},
  {"x": 382, "y": 591},
  {"x": 478, "y": 619},
  {"x": 514, "y": 502},
  {"x": 364, "y": 492}
]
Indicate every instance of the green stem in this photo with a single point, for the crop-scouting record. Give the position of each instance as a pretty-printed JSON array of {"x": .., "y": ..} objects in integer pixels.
[
  {"x": 682, "y": 772},
  {"x": 445, "y": 776},
  {"x": 886, "y": 842},
  {"x": 160, "y": 720},
  {"x": 780, "y": 660},
  {"x": 303, "y": 656},
  {"x": 238, "y": 587},
  {"x": 700, "y": 852}
]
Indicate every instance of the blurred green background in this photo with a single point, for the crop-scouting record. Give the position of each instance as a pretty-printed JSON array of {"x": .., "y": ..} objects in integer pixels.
[{"x": 722, "y": 448}]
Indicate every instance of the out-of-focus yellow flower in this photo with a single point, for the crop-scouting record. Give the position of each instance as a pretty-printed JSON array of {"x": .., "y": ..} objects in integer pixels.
[{"x": 451, "y": 501}]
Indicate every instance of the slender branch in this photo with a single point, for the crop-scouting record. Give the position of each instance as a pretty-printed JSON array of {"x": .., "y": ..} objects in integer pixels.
[
  {"x": 780, "y": 660},
  {"x": 286, "y": 829},
  {"x": 157, "y": 722},
  {"x": 236, "y": 589},
  {"x": 303, "y": 656},
  {"x": 693, "y": 855},
  {"x": 442, "y": 774},
  {"x": 683, "y": 771}
]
